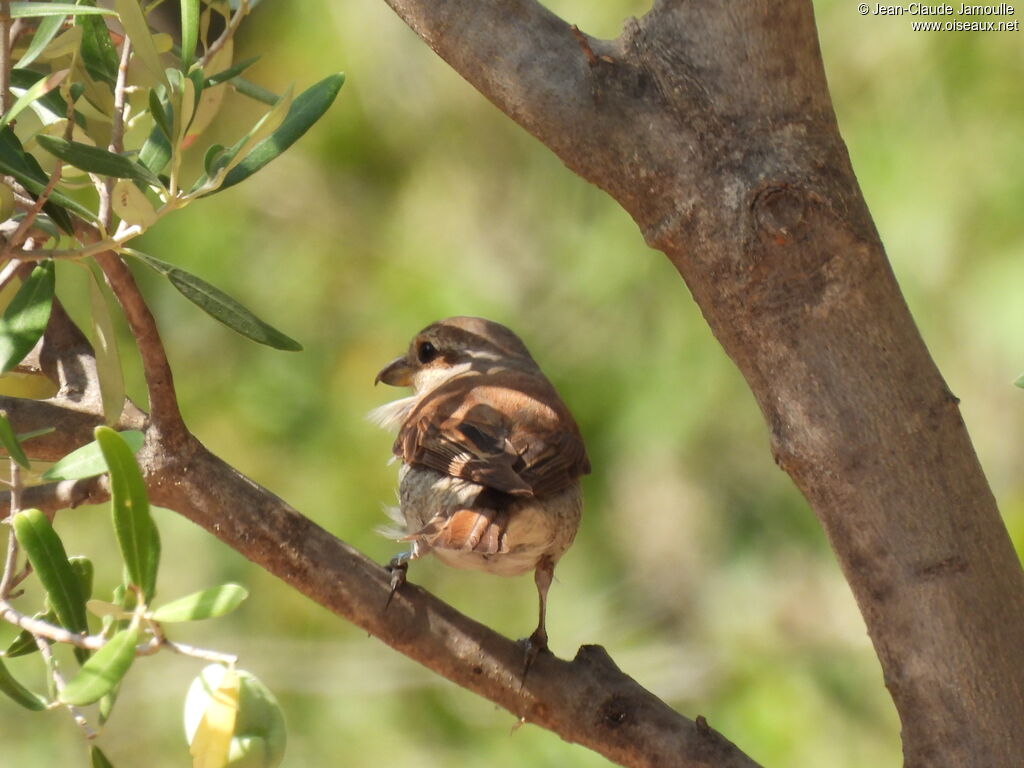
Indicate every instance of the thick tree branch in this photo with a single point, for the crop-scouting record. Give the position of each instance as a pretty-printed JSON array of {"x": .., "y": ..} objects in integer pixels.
[
  {"x": 712, "y": 125},
  {"x": 588, "y": 700}
]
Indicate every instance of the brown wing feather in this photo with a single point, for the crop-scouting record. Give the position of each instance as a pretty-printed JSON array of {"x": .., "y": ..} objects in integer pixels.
[{"x": 508, "y": 431}]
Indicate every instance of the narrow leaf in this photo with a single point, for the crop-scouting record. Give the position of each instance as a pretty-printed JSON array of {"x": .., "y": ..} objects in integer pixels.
[
  {"x": 207, "y": 604},
  {"x": 84, "y": 571},
  {"x": 25, "y": 318},
  {"x": 25, "y": 436},
  {"x": 1020, "y": 381},
  {"x": 36, "y": 9},
  {"x": 18, "y": 692},
  {"x": 98, "y": 53},
  {"x": 97, "y": 160},
  {"x": 133, "y": 524},
  {"x": 88, "y": 460},
  {"x": 189, "y": 32},
  {"x": 45, "y": 32},
  {"x": 131, "y": 204},
  {"x": 220, "y": 306},
  {"x": 25, "y": 642},
  {"x": 25, "y": 10},
  {"x": 42, "y": 87},
  {"x": 102, "y": 609},
  {"x": 231, "y": 72},
  {"x": 98, "y": 759},
  {"x": 48, "y": 557},
  {"x": 26, "y": 169},
  {"x": 308, "y": 107},
  {"x": 11, "y": 443},
  {"x": 50, "y": 106},
  {"x": 108, "y": 359},
  {"x": 137, "y": 28},
  {"x": 100, "y": 674}
]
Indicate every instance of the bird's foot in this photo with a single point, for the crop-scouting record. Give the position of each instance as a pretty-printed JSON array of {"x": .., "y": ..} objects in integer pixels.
[
  {"x": 533, "y": 646},
  {"x": 398, "y": 567}
]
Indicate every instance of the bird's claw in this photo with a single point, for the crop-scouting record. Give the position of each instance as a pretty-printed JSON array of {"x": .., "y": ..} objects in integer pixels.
[
  {"x": 532, "y": 648},
  {"x": 398, "y": 567}
]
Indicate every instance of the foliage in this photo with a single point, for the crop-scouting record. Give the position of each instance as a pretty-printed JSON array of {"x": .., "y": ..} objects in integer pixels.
[
  {"x": 97, "y": 137},
  {"x": 417, "y": 200}
]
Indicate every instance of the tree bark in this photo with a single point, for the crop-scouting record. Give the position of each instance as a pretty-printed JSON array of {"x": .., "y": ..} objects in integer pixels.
[{"x": 710, "y": 122}]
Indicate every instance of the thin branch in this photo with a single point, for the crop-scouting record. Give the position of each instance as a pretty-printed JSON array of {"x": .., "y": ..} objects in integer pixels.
[
  {"x": 105, "y": 186},
  {"x": 227, "y": 34},
  {"x": 10, "y": 563},
  {"x": 58, "y": 681},
  {"x": 5, "y": 56},
  {"x": 163, "y": 401}
]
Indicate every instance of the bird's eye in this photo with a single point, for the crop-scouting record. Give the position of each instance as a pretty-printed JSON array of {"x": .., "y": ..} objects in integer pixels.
[{"x": 426, "y": 352}]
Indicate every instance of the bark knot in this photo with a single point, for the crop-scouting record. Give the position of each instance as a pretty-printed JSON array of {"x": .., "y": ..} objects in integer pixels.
[{"x": 779, "y": 211}]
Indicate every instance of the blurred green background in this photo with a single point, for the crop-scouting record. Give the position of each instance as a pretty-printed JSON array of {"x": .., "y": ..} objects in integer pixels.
[{"x": 415, "y": 199}]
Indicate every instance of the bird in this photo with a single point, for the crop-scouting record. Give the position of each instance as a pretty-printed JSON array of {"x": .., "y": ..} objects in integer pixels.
[{"x": 491, "y": 458}]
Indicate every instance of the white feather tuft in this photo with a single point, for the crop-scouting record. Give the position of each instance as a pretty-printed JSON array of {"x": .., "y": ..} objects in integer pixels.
[{"x": 391, "y": 415}]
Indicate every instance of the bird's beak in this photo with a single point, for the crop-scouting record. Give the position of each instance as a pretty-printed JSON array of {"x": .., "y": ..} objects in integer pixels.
[{"x": 397, "y": 373}]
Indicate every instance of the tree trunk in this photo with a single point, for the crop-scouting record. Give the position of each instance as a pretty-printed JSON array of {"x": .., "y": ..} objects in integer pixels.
[{"x": 710, "y": 122}]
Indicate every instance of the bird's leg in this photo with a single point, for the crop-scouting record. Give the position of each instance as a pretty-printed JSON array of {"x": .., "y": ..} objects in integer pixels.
[{"x": 538, "y": 641}]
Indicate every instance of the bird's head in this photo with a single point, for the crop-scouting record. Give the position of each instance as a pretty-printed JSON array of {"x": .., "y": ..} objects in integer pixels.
[{"x": 455, "y": 346}]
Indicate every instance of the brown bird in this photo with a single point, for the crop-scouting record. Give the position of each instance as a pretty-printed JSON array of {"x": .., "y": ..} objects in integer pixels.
[{"x": 491, "y": 457}]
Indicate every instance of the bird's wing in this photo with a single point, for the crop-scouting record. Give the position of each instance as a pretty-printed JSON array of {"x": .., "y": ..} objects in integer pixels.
[{"x": 507, "y": 431}]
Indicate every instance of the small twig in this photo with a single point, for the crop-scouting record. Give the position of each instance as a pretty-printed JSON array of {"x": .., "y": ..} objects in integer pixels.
[
  {"x": 12, "y": 542},
  {"x": 58, "y": 681},
  {"x": 106, "y": 186},
  {"x": 190, "y": 650},
  {"x": 5, "y": 56},
  {"x": 227, "y": 34}
]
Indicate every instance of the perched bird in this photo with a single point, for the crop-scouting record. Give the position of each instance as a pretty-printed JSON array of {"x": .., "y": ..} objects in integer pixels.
[{"x": 491, "y": 457}]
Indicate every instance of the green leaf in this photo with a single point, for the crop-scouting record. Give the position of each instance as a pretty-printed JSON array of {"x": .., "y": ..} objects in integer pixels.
[
  {"x": 99, "y": 760},
  {"x": 25, "y": 642},
  {"x": 108, "y": 359},
  {"x": 25, "y": 436},
  {"x": 1020, "y": 381},
  {"x": 253, "y": 91},
  {"x": 25, "y": 318},
  {"x": 11, "y": 443},
  {"x": 97, "y": 160},
  {"x": 232, "y": 72},
  {"x": 26, "y": 169},
  {"x": 26, "y": 10},
  {"x": 41, "y": 87},
  {"x": 48, "y": 557},
  {"x": 45, "y": 32},
  {"x": 219, "y": 305},
  {"x": 308, "y": 107},
  {"x": 207, "y": 604},
  {"x": 51, "y": 104},
  {"x": 137, "y": 28},
  {"x": 84, "y": 571},
  {"x": 88, "y": 460},
  {"x": 98, "y": 53},
  {"x": 133, "y": 524},
  {"x": 100, "y": 674},
  {"x": 189, "y": 32},
  {"x": 18, "y": 692}
]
